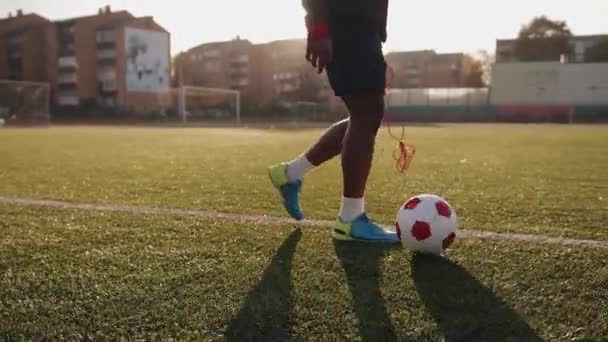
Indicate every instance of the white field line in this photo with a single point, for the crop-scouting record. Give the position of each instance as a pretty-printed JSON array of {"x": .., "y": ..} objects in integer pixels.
[{"x": 265, "y": 219}]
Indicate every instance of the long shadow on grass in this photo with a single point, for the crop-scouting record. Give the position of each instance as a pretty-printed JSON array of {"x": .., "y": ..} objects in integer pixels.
[
  {"x": 361, "y": 262},
  {"x": 266, "y": 312},
  {"x": 464, "y": 309}
]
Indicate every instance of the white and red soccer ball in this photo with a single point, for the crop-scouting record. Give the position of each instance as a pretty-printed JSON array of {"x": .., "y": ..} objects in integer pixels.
[{"x": 427, "y": 224}]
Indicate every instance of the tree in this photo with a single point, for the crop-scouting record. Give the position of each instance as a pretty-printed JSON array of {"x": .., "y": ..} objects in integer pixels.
[
  {"x": 543, "y": 39},
  {"x": 474, "y": 77},
  {"x": 487, "y": 60},
  {"x": 177, "y": 65},
  {"x": 598, "y": 53}
]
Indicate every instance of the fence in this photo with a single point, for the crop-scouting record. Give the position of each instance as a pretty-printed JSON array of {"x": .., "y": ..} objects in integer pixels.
[
  {"x": 439, "y": 104},
  {"x": 475, "y": 105},
  {"x": 438, "y": 97}
]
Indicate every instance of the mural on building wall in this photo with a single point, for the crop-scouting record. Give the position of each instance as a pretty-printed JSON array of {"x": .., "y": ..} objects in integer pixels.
[{"x": 147, "y": 54}]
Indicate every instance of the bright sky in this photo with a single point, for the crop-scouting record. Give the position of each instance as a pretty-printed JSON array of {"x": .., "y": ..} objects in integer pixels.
[{"x": 446, "y": 26}]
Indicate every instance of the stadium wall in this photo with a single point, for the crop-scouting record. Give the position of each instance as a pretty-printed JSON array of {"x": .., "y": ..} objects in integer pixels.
[
  {"x": 520, "y": 92},
  {"x": 551, "y": 91},
  {"x": 549, "y": 84}
]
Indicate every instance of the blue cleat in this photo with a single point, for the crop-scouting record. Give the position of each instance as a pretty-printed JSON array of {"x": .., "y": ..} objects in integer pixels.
[
  {"x": 290, "y": 191},
  {"x": 363, "y": 229}
]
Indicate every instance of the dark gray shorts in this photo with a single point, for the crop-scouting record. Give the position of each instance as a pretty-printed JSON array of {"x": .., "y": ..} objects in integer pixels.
[{"x": 358, "y": 66}]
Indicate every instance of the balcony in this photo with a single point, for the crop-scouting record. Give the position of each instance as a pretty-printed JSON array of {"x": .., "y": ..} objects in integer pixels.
[
  {"x": 289, "y": 77},
  {"x": 68, "y": 29},
  {"x": 240, "y": 83},
  {"x": 106, "y": 36},
  {"x": 106, "y": 39},
  {"x": 239, "y": 71},
  {"x": 66, "y": 38},
  {"x": 14, "y": 54},
  {"x": 67, "y": 100},
  {"x": 66, "y": 50},
  {"x": 67, "y": 78},
  {"x": 212, "y": 53},
  {"x": 67, "y": 62},
  {"x": 15, "y": 41},
  {"x": 286, "y": 88},
  {"x": 110, "y": 86},
  {"x": 241, "y": 61},
  {"x": 108, "y": 74},
  {"x": 106, "y": 55},
  {"x": 213, "y": 66}
]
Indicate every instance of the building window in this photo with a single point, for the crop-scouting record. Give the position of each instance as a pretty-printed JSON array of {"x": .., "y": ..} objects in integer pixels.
[
  {"x": 105, "y": 36},
  {"x": 212, "y": 66},
  {"x": 69, "y": 29},
  {"x": 241, "y": 59},
  {"x": 15, "y": 40},
  {"x": 67, "y": 62},
  {"x": 211, "y": 53},
  {"x": 108, "y": 85},
  {"x": 106, "y": 54},
  {"x": 240, "y": 83},
  {"x": 106, "y": 74}
]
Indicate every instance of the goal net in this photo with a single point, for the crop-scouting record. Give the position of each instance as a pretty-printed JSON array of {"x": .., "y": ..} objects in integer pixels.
[
  {"x": 200, "y": 104},
  {"x": 24, "y": 102}
]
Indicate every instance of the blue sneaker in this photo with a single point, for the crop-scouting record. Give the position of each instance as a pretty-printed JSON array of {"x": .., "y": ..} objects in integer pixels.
[
  {"x": 290, "y": 191},
  {"x": 363, "y": 229}
]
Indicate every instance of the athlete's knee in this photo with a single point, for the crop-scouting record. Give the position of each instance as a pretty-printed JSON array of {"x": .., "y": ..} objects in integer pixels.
[
  {"x": 369, "y": 123},
  {"x": 341, "y": 125},
  {"x": 366, "y": 112}
]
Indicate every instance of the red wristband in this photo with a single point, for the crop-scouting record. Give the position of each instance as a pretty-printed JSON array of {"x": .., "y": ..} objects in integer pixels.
[{"x": 318, "y": 30}]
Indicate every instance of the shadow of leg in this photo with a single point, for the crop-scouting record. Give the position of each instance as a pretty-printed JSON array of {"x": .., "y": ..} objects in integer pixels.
[
  {"x": 464, "y": 309},
  {"x": 266, "y": 312},
  {"x": 361, "y": 262}
]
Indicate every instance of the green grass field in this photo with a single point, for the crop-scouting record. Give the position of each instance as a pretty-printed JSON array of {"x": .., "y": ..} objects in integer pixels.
[{"x": 75, "y": 274}]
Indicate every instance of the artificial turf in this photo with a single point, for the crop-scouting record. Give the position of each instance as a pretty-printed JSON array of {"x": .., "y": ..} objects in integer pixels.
[{"x": 70, "y": 274}]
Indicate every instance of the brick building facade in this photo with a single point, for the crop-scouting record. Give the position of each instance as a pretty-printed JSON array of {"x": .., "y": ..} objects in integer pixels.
[
  {"x": 428, "y": 69},
  {"x": 85, "y": 59},
  {"x": 23, "y": 41},
  {"x": 266, "y": 72}
]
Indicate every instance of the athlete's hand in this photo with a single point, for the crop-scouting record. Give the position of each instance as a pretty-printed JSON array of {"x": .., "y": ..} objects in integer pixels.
[
  {"x": 319, "y": 53},
  {"x": 319, "y": 45}
]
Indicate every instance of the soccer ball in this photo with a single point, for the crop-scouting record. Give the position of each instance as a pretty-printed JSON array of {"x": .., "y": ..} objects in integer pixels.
[{"x": 427, "y": 224}]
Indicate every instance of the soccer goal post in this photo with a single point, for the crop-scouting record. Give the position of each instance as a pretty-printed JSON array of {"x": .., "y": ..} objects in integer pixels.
[
  {"x": 25, "y": 102},
  {"x": 208, "y": 104}
]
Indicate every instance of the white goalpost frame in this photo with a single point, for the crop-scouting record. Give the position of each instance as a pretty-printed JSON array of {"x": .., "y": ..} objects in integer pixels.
[
  {"x": 44, "y": 85},
  {"x": 183, "y": 92}
]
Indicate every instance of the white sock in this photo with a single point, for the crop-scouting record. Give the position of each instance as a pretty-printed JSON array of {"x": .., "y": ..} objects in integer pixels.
[
  {"x": 351, "y": 209},
  {"x": 298, "y": 168}
]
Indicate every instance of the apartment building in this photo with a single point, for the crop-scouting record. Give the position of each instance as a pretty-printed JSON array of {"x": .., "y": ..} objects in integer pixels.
[
  {"x": 79, "y": 56},
  {"x": 111, "y": 58},
  {"x": 265, "y": 72},
  {"x": 23, "y": 44},
  {"x": 133, "y": 64},
  {"x": 428, "y": 69},
  {"x": 217, "y": 65}
]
